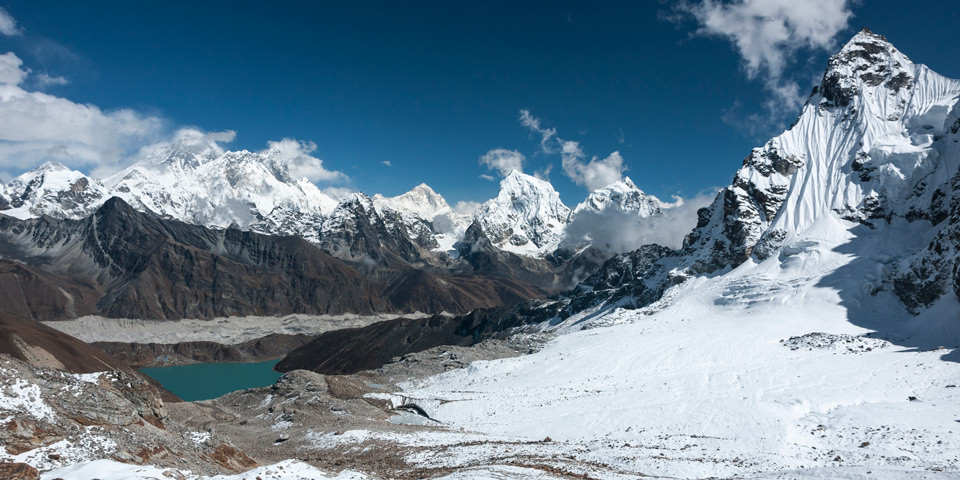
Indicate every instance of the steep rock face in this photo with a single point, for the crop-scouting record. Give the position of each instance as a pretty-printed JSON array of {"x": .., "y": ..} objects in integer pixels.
[
  {"x": 356, "y": 231},
  {"x": 526, "y": 218},
  {"x": 869, "y": 144},
  {"x": 876, "y": 147}
]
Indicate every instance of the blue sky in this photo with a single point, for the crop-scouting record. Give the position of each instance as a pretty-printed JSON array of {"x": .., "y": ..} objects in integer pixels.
[{"x": 430, "y": 87}]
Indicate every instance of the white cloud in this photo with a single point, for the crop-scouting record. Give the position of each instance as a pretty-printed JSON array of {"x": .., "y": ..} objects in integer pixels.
[
  {"x": 466, "y": 207},
  {"x": 614, "y": 231},
  {"x": 43, "y": 80},
  {"x": 503, "y": 160},
  {"x": 593, "y": 174},
  {"x": 768, "y": 33},
  {"x": 544, "y": 173},
  {"x": 36, "y": 127},
  {"x": 296, "y": 156},
  {"x": 8, "y": 24},
  {"x": 11, "y": 72},
  {"x": 488, "y": 177},
  {"x": 387, "y": 163},
  {"x": 546, "y": 134},
  {"x": 339, "y": 193}
]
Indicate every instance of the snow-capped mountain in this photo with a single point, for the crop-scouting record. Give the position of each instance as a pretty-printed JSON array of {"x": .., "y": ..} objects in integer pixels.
[
  {"x": 55, "y": 190},
  {"x": 421, "y": 201},
  {"x": 425, "y": 213},
  {"x": 194, "y": 180},
  {"x": 807, "y": 328},
  {"x": 624, "y": 197},
  {"x": 869, "y": 170},
  {"x": 873, "y": 145},
  {"x": 527, "y": 216}
]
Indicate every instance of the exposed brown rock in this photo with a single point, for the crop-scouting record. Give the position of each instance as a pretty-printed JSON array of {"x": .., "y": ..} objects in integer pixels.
[
  {"x": 123, "y": 263},
  {"x": 18, "y": 471}
]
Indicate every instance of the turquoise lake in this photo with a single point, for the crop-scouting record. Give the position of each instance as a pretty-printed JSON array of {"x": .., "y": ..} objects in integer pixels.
[{"x": 203, "y": 381}]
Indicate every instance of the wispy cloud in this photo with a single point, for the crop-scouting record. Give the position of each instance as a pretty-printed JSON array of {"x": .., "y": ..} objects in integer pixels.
[
  {"x": 546, "y": 134},
  {"x": 8, "y": 24},
  {"x": 590, "y": 174},
  {"x": 593, "y": 174},
  {"x": 295, "y": 154},
  {"x": 43, "y": 80},
  {"x": 387, "y": 163},
  {"x": 767, "y": 34},
  {"x": 503, "y": 161},
  {"x": 488, "y": 177}
]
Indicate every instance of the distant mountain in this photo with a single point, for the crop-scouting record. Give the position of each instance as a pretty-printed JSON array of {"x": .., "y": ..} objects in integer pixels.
[
  {"x": 526, "y": 218},
  {"x": 52, "y": 189},
  {"x": 120, "y": 262},
  {"x": 623, "y": 196}
]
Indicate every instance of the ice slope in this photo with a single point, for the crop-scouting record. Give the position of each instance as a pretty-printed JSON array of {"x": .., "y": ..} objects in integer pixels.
[
  {"x": 526, "y": 218},
  {"x": 708, "y": 383}
]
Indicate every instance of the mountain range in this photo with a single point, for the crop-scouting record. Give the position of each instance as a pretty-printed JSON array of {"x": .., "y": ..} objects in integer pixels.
[
  {"x": 869, "y": 173},
  {"x": 806, "y": 327}
]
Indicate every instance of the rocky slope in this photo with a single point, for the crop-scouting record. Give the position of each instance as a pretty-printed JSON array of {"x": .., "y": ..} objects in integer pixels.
[{"x": 122, "y": 263}]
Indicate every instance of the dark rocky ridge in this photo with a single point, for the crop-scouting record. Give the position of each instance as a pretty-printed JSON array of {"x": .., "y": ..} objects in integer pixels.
[
  {"x": 123, "y": 263},
  {"x": 352, "y": 350}
]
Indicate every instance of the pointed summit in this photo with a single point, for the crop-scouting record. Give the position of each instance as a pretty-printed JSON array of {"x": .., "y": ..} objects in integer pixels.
[
  {"x": 53, "y": 189},
  {"x": 867, "y": 61},
  {"x": 189, "y": 149},
  {"x": 623, "y": 196},
  {"x": 527, "y": 217},
  {"x": 422, "y": 201}
]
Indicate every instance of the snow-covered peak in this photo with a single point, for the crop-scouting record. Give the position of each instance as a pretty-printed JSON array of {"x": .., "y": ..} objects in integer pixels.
[
  {"x": 188, "y": 150},
  {"x": 421, "y": 201},
  {"x": 52, "y": 189},
  {"x": 622, "y": 196},
  {"x": 865, "y": 62},
  {"x": 867, "y": 147},
  {"x": 196, "y": 181},
  {"x": 527, "y": 216}
]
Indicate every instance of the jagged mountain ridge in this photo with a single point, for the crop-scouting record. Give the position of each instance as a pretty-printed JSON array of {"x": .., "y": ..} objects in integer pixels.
[
  {"x": 194, "y": 180},
  {"x": 870, "y": 172},
  {"x": 120, "y": 262},
  {"x": 874, "y": 153}
]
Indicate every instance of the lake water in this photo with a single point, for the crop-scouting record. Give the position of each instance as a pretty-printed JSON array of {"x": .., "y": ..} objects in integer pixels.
[{"x": 203, "y": 381}]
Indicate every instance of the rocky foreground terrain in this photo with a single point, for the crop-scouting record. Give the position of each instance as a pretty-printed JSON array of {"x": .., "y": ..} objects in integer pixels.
[{"x": 53, "y": 419}]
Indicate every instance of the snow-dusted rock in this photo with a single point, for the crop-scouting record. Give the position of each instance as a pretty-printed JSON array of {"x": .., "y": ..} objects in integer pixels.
[
  {"x": 623, "y": 196},
  {"x": 527, "y": 216}
]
